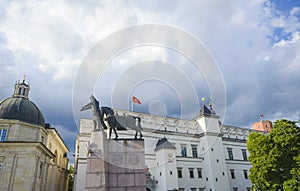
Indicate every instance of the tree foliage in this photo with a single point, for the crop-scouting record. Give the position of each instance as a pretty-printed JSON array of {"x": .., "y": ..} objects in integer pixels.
[
  {"x": 275, "y": 158},
  {"x": 71, "y": 178}
]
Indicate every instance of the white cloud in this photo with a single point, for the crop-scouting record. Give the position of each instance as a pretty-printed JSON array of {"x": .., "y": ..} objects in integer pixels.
[
  {"x": 295, "y": 11},
  {"x": 284, "y": 43}
]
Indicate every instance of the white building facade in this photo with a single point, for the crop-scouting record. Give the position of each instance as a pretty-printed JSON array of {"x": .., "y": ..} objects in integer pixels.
[{"x": 188, "y": 155}]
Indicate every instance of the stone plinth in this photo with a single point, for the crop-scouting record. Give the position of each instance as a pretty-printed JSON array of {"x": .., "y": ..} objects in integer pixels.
[{"x": 115, "y": 165}]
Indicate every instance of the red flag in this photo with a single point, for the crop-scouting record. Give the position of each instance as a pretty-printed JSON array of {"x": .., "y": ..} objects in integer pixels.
[{"x": 136, "y": 100}]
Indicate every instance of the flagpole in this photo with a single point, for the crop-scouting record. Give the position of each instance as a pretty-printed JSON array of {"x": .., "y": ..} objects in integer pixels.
[{"x": 131, "y": 105}]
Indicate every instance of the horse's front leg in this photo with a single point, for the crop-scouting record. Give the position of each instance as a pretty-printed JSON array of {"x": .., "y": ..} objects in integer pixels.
[
  {"x": 141, "y": 135},
  {"x": 110, "y": 131},
  {"x": 136, "y": 134}
]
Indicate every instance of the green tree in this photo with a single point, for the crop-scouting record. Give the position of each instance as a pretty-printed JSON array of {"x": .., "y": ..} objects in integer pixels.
[
  {"x": 71, "y": 178},
  {"x": 275, "y": 158}
]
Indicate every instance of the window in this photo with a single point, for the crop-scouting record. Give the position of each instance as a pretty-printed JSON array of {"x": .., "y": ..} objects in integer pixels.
[
  {"x": 194, "y": 151},
  {"x": 183, "y": 150},
  {"x": 248, "y": 189},
  {"x": 191, "y": 170},
  {"x": 193, "y": 189},
  {"x": 181, "y": 189},
  {"x": 199, "y": 170},
  {"x": 179, "y": 172},
  {"x": 171, "y": 173},
  {"x": 230, "y": 154},
  {"x": 55, "y": 158},
  {"x": 235, "y": 189},
  {"x": 2, "y": 135},
  {"x": 232, "y": 173},
  {"x": 201, "y": 189},
  {"x": 244, "y": 152},
  {"x": 245, "y": 174},
  {"x": 41, "y": 170},
  {"x": 0, "y": 167}
]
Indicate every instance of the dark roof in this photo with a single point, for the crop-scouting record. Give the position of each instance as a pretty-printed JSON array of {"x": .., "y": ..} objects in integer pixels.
[
  {"x": 22, "y": 109},
  {"x": 205, "y": 111},
  {"x": 164, "y": 143}
]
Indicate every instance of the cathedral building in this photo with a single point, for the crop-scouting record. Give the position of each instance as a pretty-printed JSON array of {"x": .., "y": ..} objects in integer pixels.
[
  {"x": 186, "y": 155},
  {"x": 33, "y": 156}
]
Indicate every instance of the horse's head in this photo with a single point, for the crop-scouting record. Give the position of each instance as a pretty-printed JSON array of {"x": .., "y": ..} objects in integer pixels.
[{"x": 107, "y": 110}]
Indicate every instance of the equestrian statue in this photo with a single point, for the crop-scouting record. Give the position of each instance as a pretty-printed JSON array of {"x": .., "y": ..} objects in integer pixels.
[{"x": 113, "y": 121}]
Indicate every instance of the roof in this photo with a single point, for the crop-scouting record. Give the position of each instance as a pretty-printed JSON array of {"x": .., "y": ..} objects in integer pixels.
[
  {"x": 205, "y": 111},
  {"x": 19, "y": 108},
  {"x": 164, "y": 143}
]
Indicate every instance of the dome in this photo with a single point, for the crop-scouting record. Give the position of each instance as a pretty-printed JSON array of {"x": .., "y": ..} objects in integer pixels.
[
  {"x": 19, "y": 107},
  {"x": 22, "y": 109}
]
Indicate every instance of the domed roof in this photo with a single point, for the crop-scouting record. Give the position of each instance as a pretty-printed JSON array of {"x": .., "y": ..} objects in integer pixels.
[{"x": 21, "y": 109}]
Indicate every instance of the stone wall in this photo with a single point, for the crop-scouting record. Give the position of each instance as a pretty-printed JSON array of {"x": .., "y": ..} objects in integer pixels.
[{"x": 115, "y": 165}]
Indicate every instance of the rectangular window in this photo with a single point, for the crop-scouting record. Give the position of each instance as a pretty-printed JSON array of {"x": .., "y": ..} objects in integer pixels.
[
  {"x": 244, "y": 153},
  {"x": 248, "y": 189},
  {"x": 3, "y": 135},
  {"x": 0, "y": 166},
  {"x": 245, "y": 174},
  {"x": 43, "y": 139},
  {"x": 181, "y": 189},
  {"x": 194, "y": 151},
  {"x": 230, "y": 154},
  {"x": 201, "y": 189},
  {"x": 183, "y": 150},
  {"x": 191, "y": 170},
  {"x": 193, "y": 189},
  {"x": 179, "y": 172},
  {"x": 235, "y": 189},
  {"x": 41, "y": 170},
  {"x": 232, "y": 173},
  {"x": 199, "y": 170}
]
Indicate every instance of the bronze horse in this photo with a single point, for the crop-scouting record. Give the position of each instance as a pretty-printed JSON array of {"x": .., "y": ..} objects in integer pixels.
[{"x": 114, "y": 121}]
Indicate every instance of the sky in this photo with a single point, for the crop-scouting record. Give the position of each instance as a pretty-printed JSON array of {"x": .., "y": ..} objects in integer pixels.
[{"x": 252, "y": 45}]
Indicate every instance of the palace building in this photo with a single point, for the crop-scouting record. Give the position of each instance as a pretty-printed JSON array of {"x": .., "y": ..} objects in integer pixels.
[
  {"x": 33, "y": 156},
  {"x": 187, "y": 155}
]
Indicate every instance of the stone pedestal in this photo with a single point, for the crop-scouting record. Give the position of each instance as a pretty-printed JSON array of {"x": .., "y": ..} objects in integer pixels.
[{"x": 115, "y": 165}]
